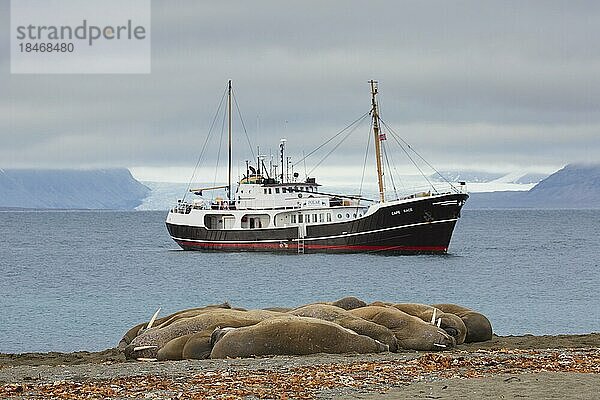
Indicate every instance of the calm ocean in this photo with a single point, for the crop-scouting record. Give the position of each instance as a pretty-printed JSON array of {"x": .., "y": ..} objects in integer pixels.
[{"x": 78, "y": 280}]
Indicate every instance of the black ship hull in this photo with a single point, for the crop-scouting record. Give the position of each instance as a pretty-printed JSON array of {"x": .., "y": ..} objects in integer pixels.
[{"x": 419, "y": 226}]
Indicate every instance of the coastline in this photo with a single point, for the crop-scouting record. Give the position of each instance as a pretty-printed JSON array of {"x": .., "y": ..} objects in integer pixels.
[{"x": 530, "y": 366}]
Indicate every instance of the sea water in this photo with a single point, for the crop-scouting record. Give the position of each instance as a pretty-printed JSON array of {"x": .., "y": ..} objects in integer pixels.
[{"x": 78, "y": 280}]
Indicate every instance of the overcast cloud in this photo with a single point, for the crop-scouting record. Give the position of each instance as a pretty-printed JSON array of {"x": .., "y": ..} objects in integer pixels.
[{"x": 488, "y": 85}]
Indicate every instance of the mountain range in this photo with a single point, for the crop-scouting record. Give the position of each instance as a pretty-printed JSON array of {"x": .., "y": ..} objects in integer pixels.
[
  {"x": 99, "y": 189},
  {"x": 523, "y": 178},
  {"x": 574, "y": 186}
]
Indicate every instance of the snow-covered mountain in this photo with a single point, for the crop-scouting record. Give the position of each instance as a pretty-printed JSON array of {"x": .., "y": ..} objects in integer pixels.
[
  {"x": 114, "y": 189},
  {"x": 466, "y": 176},
  {"x": 481, "y": 181},
  {"x": 162, "y": 196},
  {"x": 516, "y": 177},
  {"x": 574, "y": 186}
]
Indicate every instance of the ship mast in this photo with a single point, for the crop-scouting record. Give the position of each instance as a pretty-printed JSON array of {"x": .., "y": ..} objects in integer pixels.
[
  {"x": 376, "y": 133},
  {"x": 229, "y": 164}
]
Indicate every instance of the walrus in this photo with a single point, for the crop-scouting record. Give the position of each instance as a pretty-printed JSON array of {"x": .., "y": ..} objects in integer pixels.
[
  {"x": 196, "y": 346},
  {"x": 159, "y": 322},
  {"x": 192, "y": 312},
  {"x": 347, "y": 320},
  {"x": 479, "y": 328},
  {"x": 450, "y": 323},
  {"x": 149, "y": 342},
  {"x": 411, "y": 332},
  {"x": 291, "y": 335}
]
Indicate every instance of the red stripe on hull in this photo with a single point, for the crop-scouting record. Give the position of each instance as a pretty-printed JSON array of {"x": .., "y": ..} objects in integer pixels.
[
  {"x": 377, "y": 248},
  {"x": 278, "y": 246}
]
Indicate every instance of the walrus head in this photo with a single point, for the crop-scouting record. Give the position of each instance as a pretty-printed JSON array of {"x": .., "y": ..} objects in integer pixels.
[
  {"x": 451, "y": 324},
  {"x": 219, "y": 333},
  {"x": 144, "y": 352},
  {"x": 443, "y": 341}
]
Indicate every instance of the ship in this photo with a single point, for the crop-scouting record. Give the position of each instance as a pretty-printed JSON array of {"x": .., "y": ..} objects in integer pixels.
[{"x": 273, "y": 210}]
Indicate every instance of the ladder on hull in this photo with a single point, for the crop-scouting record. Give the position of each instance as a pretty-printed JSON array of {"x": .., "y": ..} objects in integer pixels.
[
  {"x": 301, "y": 234},
  {"x": 300, "y": 246}
]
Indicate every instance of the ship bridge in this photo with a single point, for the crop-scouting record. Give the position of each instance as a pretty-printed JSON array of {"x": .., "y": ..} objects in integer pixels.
[{"x": 275, "y": 195}]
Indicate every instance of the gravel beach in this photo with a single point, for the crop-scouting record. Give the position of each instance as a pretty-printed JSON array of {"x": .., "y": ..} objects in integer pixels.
[{"x": 536, "y": 367}]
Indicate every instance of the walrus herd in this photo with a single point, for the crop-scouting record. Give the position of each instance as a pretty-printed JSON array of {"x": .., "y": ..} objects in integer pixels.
[{"x": 348, "y": 325}]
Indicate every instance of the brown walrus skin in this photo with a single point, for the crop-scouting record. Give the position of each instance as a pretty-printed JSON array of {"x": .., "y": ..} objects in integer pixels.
[
  {"x": 347, "y": 320},
  {"x": 291, "y": 335},
  {"x": 479, "y": 328},
  {"x": 141, "y": 327},
  {"x": 206, "y": 321},
  {"x": 450, "y": 323},
  {"x": 195, "y": 346},
  {"x": 411, "y": 332}
]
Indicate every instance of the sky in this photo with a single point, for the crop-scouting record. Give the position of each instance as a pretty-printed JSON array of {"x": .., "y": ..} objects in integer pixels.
[{"x": 492, "y": 86}]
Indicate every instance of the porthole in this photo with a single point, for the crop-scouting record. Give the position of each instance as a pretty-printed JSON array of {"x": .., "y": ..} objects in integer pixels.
[
  {"x": 339, "y": 216},
  {"x": 347, "y": 215}
]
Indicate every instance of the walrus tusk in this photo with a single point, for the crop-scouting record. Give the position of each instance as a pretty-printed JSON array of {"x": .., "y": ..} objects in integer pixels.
[
  {"x": 140, "y": 348},
  {"x": 439, "y": 322},
  {"x": 433, "y": 317},
  {"x": 440, "y": 345},
  {"x": 146, "y": 359},
  {"x": 153, "y": 319}
]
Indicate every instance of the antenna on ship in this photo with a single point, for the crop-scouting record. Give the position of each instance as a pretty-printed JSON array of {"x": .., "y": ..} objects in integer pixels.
[
  {"x": 378, "y": 138},
  {"x": 281, "y": 153}
]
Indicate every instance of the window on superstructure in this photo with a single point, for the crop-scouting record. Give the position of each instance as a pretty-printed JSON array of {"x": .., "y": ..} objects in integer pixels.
[
  {"x": 314, "y": 217},
  {"x": 265, "y": 190},
  {"x": 269, "y": 190},
  {"x": 328, "y": 217},
  {"x": 293, "y": 218},
  {"x": 307, "y": 218},
  {"x": 277, "y": 190},
  {"x": 321, "y": 217},
  {"x": 283, "y": 190},
  {"x": 300, "y": 218}
]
